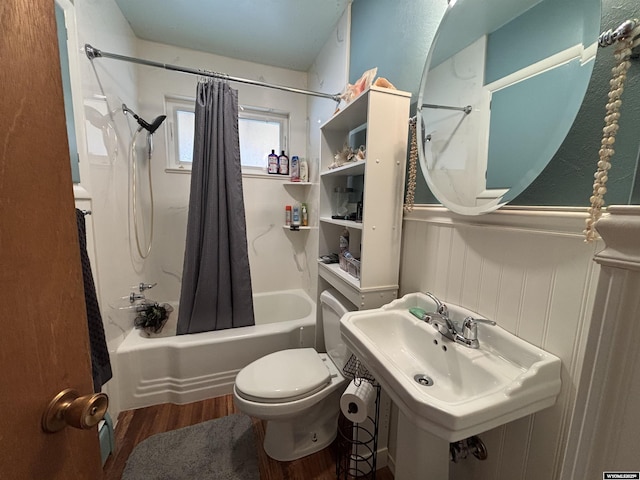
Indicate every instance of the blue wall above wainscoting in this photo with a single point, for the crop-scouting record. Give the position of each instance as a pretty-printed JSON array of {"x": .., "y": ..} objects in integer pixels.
[
  {"x": 519, "y": 43},
  {"x": 394, "y": 36}
]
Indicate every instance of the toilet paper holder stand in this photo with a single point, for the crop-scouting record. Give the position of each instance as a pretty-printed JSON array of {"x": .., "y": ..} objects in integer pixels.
[{"x": 358, "y": 442}]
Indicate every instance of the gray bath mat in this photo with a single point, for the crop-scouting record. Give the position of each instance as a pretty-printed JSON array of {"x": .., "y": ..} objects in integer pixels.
[{"x": 221, "y": 449}]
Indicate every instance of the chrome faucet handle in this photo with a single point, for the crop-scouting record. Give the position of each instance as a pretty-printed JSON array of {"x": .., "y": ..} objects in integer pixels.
[
  {"x": 441, "y": 308},
  {"x": 470, "y": 327},
  {"x": 146, "y": 286},
  {"x": 135, "y": 296}
]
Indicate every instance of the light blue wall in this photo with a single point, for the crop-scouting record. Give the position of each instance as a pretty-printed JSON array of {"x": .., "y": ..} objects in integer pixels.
[
  {"x": 395, "y": 36},
  {"x": 519, "y": 43},
  {"x": 536, "y": 96},
  {"x": 513, "y": 47}
]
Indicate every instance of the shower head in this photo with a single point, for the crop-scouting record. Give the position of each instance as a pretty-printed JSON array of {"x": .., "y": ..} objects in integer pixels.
[
  {"x": 149, "y": 127},
  {"x": 154, "y": 125}
]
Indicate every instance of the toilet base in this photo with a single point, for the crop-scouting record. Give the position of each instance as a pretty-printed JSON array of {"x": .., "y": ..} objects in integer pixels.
[{"x": 307, "y": 433}]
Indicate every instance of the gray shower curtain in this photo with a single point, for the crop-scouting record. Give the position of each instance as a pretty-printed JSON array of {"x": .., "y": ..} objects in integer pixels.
[{"x": 216, "y": 282}]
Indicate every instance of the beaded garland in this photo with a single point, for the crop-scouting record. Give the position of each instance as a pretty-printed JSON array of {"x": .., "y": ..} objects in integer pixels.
[
  {"x": 622, "y": 54},
  {"x": 409, "y": 198}
]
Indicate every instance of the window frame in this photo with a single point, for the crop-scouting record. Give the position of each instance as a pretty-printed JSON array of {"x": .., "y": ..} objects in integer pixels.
[{"x": 175, "y": 103}]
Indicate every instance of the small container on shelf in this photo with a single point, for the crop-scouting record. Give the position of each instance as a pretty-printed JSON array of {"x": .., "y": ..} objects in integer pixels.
[
  {"x": 350, "y": 264},
  {"x": 287, "y": 215},
  {"x": 295, "y": 218},
  {"x": 295, "y": 169},
  {"x": 343, "y": 241},
  {"x": 283, "y": 164},
  {"x": 353, "y": 267},
  {"x": 304, "y": 171},
  {"x": 340, "y": 201},
  {"x": 343, "y": 262}
]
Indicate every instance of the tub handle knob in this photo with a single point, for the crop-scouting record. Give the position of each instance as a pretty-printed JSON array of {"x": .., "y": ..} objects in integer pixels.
[
  {"x": 146, "y": 286},
  {"x": 133, "y": 296}
]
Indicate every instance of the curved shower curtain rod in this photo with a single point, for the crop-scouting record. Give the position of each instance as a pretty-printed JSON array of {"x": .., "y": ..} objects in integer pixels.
[{"x": 93, "y": 52}]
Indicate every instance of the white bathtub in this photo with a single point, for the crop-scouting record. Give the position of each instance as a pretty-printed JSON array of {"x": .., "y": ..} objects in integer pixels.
[{"x": 188, "y": 368}]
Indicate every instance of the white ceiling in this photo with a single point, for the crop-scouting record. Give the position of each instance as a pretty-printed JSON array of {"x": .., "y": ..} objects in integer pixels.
[{"x": 282, "y": 33}]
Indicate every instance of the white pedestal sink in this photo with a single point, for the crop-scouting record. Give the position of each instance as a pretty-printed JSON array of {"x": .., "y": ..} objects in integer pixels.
[{"x": 447, "y": 391}]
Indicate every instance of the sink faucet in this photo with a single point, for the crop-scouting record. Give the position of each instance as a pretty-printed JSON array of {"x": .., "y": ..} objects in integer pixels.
[{"x": 441, "y": 322}]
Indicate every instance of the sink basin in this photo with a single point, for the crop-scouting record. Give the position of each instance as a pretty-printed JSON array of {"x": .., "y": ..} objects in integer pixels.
[{"x": 448, "y": 389}]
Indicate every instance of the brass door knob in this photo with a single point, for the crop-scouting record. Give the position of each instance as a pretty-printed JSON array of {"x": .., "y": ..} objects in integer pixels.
[{"x": 69, "y": 408}]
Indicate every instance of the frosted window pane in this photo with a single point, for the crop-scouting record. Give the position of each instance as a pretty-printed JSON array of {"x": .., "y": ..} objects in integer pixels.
[
  {"x": 186, "y": 121},
  {"x": 257, "y": 139},
  {"x": 258, "y": 136}
]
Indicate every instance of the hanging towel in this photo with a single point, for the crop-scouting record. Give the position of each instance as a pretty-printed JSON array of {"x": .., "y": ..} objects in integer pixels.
[{"x": 100, "y": 362}]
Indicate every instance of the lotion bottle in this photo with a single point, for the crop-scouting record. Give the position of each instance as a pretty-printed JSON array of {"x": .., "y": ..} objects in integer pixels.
[{"x": 304, "y": 170}]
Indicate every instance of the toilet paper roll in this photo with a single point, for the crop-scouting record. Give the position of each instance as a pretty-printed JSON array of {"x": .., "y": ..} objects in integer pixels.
[{"x": 357, "y": 400}]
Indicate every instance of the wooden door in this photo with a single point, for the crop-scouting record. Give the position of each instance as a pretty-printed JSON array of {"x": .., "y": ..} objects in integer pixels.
[{"x": 43, "y": 331}]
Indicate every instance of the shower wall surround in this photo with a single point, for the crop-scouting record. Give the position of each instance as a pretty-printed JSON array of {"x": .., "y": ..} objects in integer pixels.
[
  {"x": 103, "y": 160},
  {"x": 278, "y": 259},
  {"x": 533, "y": 274}
]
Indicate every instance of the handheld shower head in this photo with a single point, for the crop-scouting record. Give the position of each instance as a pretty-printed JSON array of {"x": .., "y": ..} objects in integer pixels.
[
  {"x": 155, "y": 124},
  {"x": 149, "y": 127}
]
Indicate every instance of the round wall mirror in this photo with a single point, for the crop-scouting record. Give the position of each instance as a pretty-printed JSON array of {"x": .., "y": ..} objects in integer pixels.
[{"x": 501, "y": 87}]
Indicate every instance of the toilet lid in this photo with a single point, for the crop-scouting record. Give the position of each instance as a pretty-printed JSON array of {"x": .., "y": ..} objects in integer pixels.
[{"x": 283, "y": 375}]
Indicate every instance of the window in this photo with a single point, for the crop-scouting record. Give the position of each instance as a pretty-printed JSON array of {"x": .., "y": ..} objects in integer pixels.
[
  {"x": 180, "y": 113},
  {"x": 261, "y": 130}
]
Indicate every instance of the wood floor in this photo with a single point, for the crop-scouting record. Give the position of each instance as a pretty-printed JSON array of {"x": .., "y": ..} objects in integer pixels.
[{"x": 136, "y": 425}]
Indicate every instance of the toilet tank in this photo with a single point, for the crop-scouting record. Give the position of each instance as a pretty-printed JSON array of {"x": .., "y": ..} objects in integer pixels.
[{"x": 333, "y": 308}]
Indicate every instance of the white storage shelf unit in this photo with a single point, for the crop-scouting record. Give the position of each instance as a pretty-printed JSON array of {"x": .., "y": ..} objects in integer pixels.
[{"x": 384, "y": 114}]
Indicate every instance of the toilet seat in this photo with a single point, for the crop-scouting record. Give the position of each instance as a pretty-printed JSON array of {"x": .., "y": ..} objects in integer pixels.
[{"x": 283, "y": 376}]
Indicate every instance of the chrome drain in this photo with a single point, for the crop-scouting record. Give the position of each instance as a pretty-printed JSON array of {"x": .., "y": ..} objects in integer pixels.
[{"x": 423, "y": 380}]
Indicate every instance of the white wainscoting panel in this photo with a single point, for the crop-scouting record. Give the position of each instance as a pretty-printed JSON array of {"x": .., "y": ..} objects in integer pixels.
[
  {"x": 530, "y": 271},
  {"x": 605, "y": 424}
]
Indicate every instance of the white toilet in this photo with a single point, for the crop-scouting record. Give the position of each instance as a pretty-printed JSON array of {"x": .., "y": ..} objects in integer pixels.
[{"x": 298, "y": 390}]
